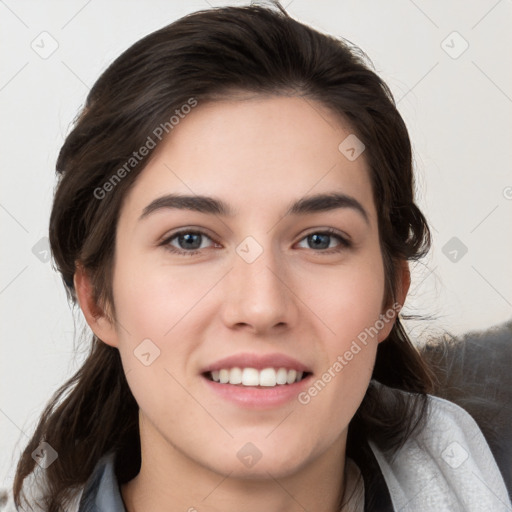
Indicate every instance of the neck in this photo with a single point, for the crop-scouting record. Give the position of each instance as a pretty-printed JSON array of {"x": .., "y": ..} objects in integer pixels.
[{"x": 169, "y": 481}]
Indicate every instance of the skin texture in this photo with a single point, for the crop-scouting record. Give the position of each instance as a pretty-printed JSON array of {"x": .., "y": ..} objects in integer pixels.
[{"x": 258, "y": 154}]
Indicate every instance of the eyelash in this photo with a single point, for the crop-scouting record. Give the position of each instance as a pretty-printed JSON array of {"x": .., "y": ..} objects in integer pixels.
[{"x": 343, "y": 242}]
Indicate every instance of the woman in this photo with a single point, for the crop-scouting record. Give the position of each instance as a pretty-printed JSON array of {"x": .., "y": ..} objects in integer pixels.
[{"x": 235, "y": 216}]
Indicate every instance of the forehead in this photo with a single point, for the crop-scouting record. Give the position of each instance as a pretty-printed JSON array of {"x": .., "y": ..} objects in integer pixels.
[{"x": 255, "y": 152}]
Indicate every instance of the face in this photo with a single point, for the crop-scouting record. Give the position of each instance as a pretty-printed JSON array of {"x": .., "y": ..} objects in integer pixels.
[{"x": 247, "y": 280}]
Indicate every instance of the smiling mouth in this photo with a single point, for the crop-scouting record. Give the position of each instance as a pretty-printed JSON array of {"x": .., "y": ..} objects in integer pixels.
[{"x": 251, "y": 377}]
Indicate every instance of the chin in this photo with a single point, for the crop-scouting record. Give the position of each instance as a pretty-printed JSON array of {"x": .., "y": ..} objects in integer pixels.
[
  {"x": 261, "y": 471},
  {"x": 251, "y": 463}
]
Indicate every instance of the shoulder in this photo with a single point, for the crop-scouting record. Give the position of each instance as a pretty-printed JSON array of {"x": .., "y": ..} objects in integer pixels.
[
  {"x": 445, "y": 466},
  {"x": 101, "y": 493},
  {"x": 474, "y": 372},
  {"x": 35, "y": 489}
]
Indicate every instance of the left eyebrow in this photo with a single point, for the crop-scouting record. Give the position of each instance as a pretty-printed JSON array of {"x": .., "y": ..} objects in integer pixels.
[
  {"x": 213, "y": 206},
  {"x": 326, "y": 202}
]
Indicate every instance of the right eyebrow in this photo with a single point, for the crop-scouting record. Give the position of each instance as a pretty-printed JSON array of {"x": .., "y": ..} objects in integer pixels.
[{"x": 202, "y": 204}]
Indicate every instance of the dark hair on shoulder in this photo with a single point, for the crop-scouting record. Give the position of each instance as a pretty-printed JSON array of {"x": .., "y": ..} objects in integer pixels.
[{"x": 205, "y": 56}]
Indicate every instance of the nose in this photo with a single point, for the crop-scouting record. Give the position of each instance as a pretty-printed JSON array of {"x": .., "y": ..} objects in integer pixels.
[{"x": 257, "y": 296}]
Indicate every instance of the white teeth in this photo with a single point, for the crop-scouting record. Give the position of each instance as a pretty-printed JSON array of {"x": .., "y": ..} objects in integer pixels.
[
  {"x": 292, "y": 375},
  {"x": 268, "y": 377},
  {"x": 224, "y": 376},
  {"x": 281, "y": 376},
  {"x": 250, "y": 377},
  {"x": 235, "y": 376}
]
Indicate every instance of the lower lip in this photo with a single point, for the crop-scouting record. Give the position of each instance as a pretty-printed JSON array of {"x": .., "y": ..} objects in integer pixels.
[{"x": 258, "y": 397}]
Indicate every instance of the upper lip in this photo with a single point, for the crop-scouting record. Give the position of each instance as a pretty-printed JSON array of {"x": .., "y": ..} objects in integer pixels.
[{"x": 259, "y": 362}]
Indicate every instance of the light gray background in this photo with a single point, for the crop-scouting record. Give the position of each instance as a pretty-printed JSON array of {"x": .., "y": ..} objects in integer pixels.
[{"x": 458, "y": 111}]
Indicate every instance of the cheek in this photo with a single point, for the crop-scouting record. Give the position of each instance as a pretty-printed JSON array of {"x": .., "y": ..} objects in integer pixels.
[
  {"x": 350, "y": 305},
  {"x": 158, "y": 307},
  {"x": 350, "y": 299},
  {"x": 352, "y": 315},
  {"x": 152, "y": 305},
  {"x": 152, "y": 299}
]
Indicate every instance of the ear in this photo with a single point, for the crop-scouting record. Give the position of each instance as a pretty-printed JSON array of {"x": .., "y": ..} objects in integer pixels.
[
  {"x": 95, "y": 316},
  {"x": 390, "y": 314}
]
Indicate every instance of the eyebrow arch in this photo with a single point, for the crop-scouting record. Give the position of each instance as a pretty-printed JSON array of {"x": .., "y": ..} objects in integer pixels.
[
  {"x": 326, "y": 202},
  {"x": 211, "y": 205}
]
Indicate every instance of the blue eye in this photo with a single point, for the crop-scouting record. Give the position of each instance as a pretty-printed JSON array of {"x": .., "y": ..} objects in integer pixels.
[
  {"x": 191, "y": 242},
  {"x": 322, "y": 240}
]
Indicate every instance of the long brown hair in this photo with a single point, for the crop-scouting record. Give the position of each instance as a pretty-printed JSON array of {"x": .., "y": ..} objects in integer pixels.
[{"x": 208, "y": 55}]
